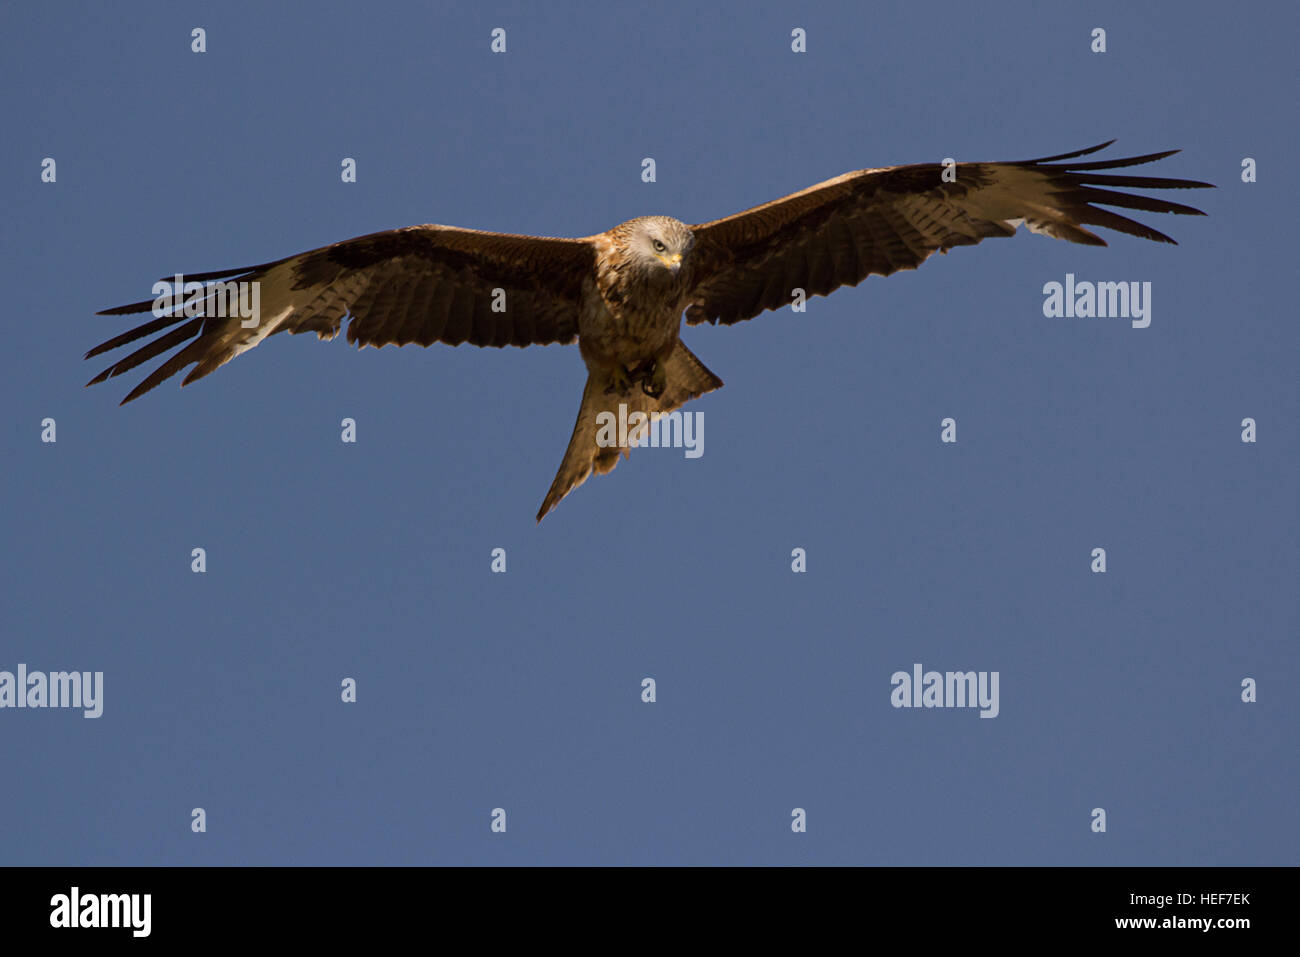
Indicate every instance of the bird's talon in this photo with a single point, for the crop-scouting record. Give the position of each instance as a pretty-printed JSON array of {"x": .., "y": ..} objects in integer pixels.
[
  {"x": 619, "y": 381},
  {"x": 655, "y": 379}
]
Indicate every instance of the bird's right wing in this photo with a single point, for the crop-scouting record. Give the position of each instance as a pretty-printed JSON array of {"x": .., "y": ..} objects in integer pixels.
[
  {"x": 877, "y": 221},
  {"x": 420, "y": 284}
]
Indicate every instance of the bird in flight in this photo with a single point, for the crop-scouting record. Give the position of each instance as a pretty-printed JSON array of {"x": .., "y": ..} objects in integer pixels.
[{"x": 621, "y": 294}]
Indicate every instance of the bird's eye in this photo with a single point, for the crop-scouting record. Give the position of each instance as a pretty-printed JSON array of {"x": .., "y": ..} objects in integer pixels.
[{"x": 659, "y": 246}]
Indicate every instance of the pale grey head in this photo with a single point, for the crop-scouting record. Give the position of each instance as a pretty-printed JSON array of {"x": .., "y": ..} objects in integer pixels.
[{"x": 658, "y": 246}]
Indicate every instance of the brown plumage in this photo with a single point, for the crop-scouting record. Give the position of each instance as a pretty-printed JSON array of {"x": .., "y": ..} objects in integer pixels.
[{"x": 621, "y": 294}]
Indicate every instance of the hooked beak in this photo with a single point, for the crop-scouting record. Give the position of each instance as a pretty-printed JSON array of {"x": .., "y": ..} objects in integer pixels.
[{"x": 673, "y": 262}]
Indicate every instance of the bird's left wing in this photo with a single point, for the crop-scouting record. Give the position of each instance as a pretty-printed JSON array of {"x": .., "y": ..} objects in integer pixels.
[
  {"x": 421, "y": 284},
  {"x": 881, "y": 220}
]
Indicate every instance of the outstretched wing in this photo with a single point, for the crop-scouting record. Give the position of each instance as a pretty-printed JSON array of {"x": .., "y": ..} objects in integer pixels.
[
  {"x": 421, "y": 284},
  {"x": 881, "y": 220}
]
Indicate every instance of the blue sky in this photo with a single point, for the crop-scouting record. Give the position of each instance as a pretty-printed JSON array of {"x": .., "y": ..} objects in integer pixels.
[{"x": 522, "y": 691}]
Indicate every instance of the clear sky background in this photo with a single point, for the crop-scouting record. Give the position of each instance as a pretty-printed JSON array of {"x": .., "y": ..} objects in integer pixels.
[{"x": 522, "y": 691}]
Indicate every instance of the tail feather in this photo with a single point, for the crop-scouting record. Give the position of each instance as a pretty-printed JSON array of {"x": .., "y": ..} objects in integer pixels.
[{"x": 686, "y": 378}]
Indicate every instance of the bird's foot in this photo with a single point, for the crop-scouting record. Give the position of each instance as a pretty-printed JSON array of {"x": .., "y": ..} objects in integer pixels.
[
  {"x": 620, "y": 381},
  {"x": 654, "y": 378}
]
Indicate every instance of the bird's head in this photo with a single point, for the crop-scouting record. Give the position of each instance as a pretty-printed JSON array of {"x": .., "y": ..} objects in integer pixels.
[{"x": 662, "y": 242}]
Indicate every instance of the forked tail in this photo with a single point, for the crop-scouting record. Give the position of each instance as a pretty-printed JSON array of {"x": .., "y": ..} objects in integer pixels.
[{"x": 686, "y": 377}]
